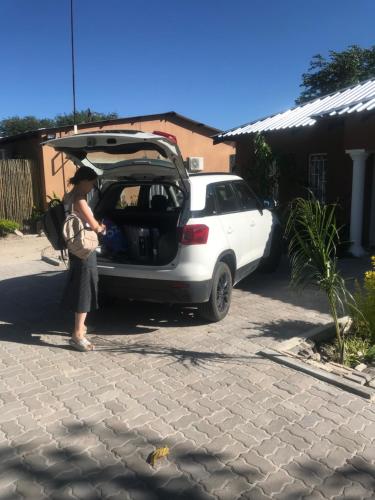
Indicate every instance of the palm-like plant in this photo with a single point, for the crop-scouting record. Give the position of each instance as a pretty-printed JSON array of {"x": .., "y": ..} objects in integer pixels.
[{"x": 313, "y": 238}]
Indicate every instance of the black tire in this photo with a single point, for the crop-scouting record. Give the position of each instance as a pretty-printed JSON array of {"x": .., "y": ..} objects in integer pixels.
[
  {"x": 221, "y": 294},
  {"x": 271, "y": 263}
]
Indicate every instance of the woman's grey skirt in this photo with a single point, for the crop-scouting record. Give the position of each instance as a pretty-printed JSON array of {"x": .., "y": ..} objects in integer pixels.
[{"x": 81, "y": 288}]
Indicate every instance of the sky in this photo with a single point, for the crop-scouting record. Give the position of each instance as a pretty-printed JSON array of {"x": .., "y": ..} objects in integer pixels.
[{"x": 222, "y": 63}]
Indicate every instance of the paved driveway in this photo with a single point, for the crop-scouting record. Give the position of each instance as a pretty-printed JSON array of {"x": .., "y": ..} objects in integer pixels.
[{"x": 77, "y": 425}]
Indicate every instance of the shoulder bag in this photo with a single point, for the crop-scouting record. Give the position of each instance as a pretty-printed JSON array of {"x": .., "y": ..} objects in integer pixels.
[{"x": 80, "y": 240}]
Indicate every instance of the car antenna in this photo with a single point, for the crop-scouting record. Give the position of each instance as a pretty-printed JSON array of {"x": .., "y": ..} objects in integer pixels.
[{"x": 73, "y": 68}]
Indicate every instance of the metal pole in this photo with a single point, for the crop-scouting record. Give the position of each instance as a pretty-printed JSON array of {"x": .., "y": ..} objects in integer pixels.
[{"x": 73, "y": 67}]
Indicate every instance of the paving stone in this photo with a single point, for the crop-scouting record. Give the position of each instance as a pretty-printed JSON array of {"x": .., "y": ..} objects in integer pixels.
[
  {"x": 245, "y": 438},
  {"x": 232, "y": 489},
  {"x": 324, "y": 427},
  {"x": 254, "y": 493},
  {"x": 309, "y": 421},
  {"x": 314, "y": 495},
  {"x": 367, "y": 453},
  {"x": 358, "y": 470},
  {"x": 198, "y": 437},
  {"x": 219, "y": 416},
  {"x": 333, "y": 486},
  {"x": 295, "y": 490},
  {"x": 338, "y": 439},
  {"x": 369, "y": 431},
  {"x": 184, "y": 422},
  {"x": 268, "y": 446},
  {"x": 355, "y": 491},
  {"x": 256, "y": 432},
  {"x": 277, "y": 425},
  {"x": 262, "y": 464},
  {"x": 302, "y": 473},
  {"x": 275, "y": 482},
  {"x": 195, "y": 469},
  {"x": 85, "y": 490},
  {"x": 297, "y": 442},
  {"x": 11, "y": 428},
  {"x": 336, "y": 457},
  {"x": 217, "y": 481},
  {"x": 283, "y": 455}
]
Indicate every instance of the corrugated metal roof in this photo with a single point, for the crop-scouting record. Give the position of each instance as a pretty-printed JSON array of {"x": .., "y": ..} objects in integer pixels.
[{"x": 357, "y": 98}]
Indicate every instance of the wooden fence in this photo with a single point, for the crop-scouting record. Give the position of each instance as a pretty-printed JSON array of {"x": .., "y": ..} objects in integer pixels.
[{"x": 19, "y": 189}]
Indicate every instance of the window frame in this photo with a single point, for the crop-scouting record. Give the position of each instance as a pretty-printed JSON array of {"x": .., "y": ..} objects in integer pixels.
[{"x": 320, "y": 192}]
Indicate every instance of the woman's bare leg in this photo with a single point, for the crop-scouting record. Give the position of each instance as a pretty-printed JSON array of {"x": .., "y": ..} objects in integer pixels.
[{"x": 79, "y": 326}]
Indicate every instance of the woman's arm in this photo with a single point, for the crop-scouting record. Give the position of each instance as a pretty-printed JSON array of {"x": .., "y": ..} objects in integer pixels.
[{"x": 82, "y": 207}]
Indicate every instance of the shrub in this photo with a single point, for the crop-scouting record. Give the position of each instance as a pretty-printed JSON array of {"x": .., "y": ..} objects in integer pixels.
[
  {"x": 356, "y": 350},
  {"x": 36, "y": 214},
  {"x": 370, "y": 354},
  {"x": 364, "y": 317},
  {"x": 8, "y": 226}
]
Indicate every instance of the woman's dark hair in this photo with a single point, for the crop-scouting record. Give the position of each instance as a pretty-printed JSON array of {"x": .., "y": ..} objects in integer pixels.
[{"x": 83, "y": 174}]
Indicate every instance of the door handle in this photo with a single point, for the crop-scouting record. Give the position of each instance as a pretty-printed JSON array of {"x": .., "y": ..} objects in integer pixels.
[
  {"x": 252, "y": 223},
  {"x": 229, "y": 230}
]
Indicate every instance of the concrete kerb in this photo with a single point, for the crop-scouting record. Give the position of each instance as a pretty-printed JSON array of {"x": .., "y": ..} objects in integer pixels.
[{"x": 321, "y": 332}]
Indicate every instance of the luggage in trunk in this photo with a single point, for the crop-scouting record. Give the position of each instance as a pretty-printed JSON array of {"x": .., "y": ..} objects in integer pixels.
[{"x": 143, "y": 244}]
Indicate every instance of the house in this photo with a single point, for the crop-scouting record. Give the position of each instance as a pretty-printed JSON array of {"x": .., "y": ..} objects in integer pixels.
[
  {"x": 54, "y": 169},
  {"x": 328, "y": 146}
]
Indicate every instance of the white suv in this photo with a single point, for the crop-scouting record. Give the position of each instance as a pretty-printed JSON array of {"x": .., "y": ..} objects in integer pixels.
[{"x": 172, "y": 236}]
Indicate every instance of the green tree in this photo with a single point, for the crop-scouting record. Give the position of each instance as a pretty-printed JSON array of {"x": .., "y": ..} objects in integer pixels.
[
  {"x": 85, "y": 116},
  {"x": 339, "y": 70},
  {"x": 18, "y": 125}
]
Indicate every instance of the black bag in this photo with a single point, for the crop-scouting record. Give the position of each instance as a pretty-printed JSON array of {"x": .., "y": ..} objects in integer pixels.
[
  {"x": 53, "y": 222},
  {"x": 139, "y": 243},
  {"x": 142, "y": 243}
]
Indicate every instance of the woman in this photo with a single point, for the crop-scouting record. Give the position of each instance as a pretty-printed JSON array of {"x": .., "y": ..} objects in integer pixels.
[{"x": 81, "y": 290}]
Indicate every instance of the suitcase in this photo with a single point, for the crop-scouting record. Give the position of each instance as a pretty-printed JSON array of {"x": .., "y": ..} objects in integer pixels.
[{"x": 143, "y": 243}]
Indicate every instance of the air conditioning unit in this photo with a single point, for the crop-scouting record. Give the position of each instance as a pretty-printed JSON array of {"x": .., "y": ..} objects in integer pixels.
[{"x": 196, "y": 163}]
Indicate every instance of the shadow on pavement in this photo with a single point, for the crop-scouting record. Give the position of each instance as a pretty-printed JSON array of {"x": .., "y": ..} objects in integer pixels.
[
  {"x": 100, "y": 461},
  {"x": 110, "y": 459},
  {"x": 184, "y": 356},
  {"x": 276, "y": 285},
  {"x": 279, "y": 330},
  {"x": 30, "y": 307}
]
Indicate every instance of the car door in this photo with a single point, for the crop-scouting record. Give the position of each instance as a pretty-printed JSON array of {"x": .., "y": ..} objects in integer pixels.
[
  {"x": 257, "y": 221},
  {"x": 233, "y": 221}
]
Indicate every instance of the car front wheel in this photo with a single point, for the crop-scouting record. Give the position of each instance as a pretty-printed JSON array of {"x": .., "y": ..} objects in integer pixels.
[{"x": 221, "y": 294}]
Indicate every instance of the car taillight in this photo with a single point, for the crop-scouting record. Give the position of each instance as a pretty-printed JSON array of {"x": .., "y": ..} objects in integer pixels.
[
  {"x": 171, "y": 137},
  {"x": 194, "y": 234}
]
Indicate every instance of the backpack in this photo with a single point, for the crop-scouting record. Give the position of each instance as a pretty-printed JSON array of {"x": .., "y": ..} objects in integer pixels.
[
  {"x": 80, "y": 241},
  {"x": 53, "y": 222}
]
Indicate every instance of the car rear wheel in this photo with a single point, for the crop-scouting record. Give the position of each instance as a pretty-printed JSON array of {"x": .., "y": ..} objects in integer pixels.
[{"x": 221, "y": 294}]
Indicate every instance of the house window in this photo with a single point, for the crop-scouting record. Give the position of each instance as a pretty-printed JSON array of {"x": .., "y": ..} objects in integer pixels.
[{"x": 318, "y": 175}]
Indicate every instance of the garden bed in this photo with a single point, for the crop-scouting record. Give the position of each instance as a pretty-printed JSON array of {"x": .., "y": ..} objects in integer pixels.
[{"x": 304, "y": 353}]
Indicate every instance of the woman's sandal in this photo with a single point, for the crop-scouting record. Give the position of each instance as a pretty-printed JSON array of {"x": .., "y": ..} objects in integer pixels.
[{"x": 82, "y": 344}]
